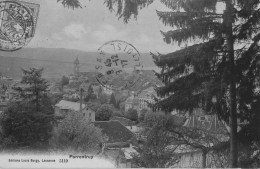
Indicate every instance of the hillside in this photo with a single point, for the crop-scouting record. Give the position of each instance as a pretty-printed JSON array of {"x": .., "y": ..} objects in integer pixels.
[{"x": 56, "y": 62}]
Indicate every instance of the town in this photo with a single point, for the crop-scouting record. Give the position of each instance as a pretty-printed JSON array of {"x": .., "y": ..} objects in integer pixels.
[
  {"x": 130, "y": 84},
  {"x": 125, "y": 118}
]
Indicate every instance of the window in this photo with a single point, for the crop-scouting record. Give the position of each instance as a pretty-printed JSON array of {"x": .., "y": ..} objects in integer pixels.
[
  {"x": 89, "y": 114},
  {"x": 83, "y": 114}
]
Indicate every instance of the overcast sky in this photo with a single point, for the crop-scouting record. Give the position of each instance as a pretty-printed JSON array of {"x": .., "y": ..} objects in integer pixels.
[{"x": 93, "y": 25}]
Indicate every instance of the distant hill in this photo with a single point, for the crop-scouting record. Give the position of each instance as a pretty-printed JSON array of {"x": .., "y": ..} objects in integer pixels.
[{"x": 56, "y": 62}]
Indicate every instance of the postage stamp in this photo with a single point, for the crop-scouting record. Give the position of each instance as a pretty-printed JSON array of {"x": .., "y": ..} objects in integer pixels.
[
  {"x": 118, "y": 65},
  {"x": 17, "y": 24}
]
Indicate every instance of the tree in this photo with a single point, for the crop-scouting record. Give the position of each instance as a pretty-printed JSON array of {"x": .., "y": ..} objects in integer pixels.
[
  {"x": 132, "y": 114},
  {"x": 103, "y": 99},
  {"x": 220, "y": 72},
  {"x": 113, "y": 100},
  {"x": 34, "y": 87},
  {"x": 184, "y": 139},
  {"x": 104, "y": 112},
  {"x": 74, "y": 134},
  {"x": 28, "y": 122},
  {"x": 158, "y": 151},
  {"x": 117, "y": 114},
  {"x": 90, "y": 95},
  {"x": 197, "y": 139},
  {"x": 224, "y": 63},
  {"x": 142, "y": 114},
  {"x": 64, "y": 81}
]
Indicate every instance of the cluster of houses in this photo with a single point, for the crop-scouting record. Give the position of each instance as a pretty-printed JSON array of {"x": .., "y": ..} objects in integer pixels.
[
  {"x": 136, "y": 97},
  {"x": 123, "y": 134}
]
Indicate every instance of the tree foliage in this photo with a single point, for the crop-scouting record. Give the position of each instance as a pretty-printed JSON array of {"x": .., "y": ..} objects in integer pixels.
[
  {"x": 113, "y": 100},
  {"x": 33, "y": 87},
  {"x": 104, "y": 113},
  {"x": 223, "y": 78},
  {"x": 132, "y": 114},
  {"x": 74, "y": 134},
  {"x": 28, "y": 122},
  {"x": 64, "y": 81},
  {"x": 158, "y": 151},
  {"x": 103, "y": 98},
  {"x": 90, "y": 94}
]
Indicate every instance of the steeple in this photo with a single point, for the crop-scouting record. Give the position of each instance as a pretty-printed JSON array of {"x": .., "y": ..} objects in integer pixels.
[
  {"x": 76, "y": 66},
  {"x": 76, "y": 62}
]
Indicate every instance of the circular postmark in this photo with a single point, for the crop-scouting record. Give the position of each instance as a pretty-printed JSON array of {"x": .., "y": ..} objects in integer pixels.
[
  {"x": 16, "y": 25},
  {"x": 118, "y": 65}
]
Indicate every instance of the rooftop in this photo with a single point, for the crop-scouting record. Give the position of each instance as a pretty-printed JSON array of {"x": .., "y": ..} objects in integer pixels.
[
  {"x": 178, "y": 120},
  {"x": 209, "y": 123},
  {"x": 75, "y": 106},
  {"x": 115, "y": 131},
  {"x": 123, "y": 120}
]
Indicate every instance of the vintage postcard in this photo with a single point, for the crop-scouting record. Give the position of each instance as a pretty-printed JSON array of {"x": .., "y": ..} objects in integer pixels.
[{"x": 129, "y": 83}]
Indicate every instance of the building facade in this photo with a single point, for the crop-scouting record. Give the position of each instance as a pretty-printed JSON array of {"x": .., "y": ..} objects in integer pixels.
[
  {"x": 64, "y": 107},
  {"x": 141, "y": 100}
]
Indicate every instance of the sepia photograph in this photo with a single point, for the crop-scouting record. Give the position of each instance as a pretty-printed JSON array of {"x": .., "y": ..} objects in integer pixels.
[{"x": 129, "y": 83}]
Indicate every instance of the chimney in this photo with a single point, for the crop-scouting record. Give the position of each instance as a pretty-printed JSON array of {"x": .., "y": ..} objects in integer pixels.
[{"x": 80, "y": 107}]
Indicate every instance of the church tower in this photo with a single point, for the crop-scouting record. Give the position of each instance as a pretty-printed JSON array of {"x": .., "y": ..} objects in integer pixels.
[{"x": 76, "y": 66}]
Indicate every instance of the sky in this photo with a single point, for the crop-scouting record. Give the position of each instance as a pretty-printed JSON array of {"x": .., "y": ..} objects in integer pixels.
[{"x": 90, "y": 27}]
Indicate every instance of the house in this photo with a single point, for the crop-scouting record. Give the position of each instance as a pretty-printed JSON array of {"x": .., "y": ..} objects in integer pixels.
[
  {"x": 116, "y": 132},
  {"x": 125, "y": 161},
  {"x": 145, "y": 97},
  {"x": 119, "y": 141},
  {"x": 147, "y": 78},
  {"x": 64, "y": 107},
  {"x": 121, "y": 158},
  {"x": 140, "y": 132},
  {"x": 140, "y": 101},
  {"x": 208, "y": 125},
  {"x": 132, "y": 102}
]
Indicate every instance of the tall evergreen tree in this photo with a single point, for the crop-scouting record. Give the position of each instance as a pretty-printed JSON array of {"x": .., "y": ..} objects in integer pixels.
[
  {"x": 33, "y": 87},
  {"x": 113, "y": 100},
  {"x": 90, "y": 94},
  {"x": 28, "y": 121},
  {"x": 222, "y": 79},
  {"x": 224, "y": 63}
]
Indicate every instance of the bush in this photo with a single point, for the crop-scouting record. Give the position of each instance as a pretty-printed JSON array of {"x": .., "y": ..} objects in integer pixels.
[
  {"x": 104, "y": 113},
  {"x": 132, "y": 114}
]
